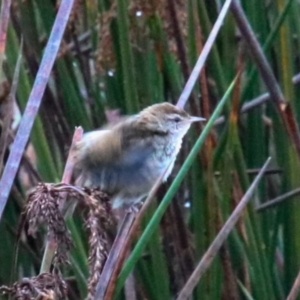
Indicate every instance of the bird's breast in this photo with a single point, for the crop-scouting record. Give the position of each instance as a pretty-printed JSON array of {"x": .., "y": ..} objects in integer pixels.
[
  {"x": 135, "y": 172},
  {"x": 164, "y": 157}
]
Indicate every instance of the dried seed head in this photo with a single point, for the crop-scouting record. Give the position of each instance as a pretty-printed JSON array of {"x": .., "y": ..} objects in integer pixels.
[
  {"x": 45, "y": 286},
  {"x": 98, "y": 221},
  {"x": 43, "y": 208}
]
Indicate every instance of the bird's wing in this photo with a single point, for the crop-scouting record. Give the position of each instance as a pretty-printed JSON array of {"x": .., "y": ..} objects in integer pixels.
[
  {"x": 111, "y": 147},
  {"x": 96, "y": 147}
]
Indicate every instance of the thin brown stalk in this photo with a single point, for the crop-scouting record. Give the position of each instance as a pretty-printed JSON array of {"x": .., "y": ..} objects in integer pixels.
[
  {"x": 220, "y": 238},
  {"x": 176, "y": 246},
  {"x": 230, "y": 290},
  {"x": 257, "y": 53},
  {"x": 255, "y": 172},
  {"x": 267, "y": 75},
  {"x": 66, "y": 178},
  {"x": 173, "y": 252},
  {"x": 234, "y": 112},
  {"x": 205, "y": 108},
  {"x": 257, "y": 101},
  {"x": 178, "y": 38},
  {"x": 277, "y": 200},
  {"x": 182, "y": 53},
  {"x": 237, "y": 194},
  {"x": 114, "y": 255},
  {"x": 6, "y": 116}
]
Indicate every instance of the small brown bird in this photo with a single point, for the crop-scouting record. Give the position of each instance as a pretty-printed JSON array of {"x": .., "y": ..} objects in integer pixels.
[{"x": 127, "y": 158}]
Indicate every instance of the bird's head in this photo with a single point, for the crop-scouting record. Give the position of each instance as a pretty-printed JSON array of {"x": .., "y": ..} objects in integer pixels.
[{"x": 167, "y": 118}]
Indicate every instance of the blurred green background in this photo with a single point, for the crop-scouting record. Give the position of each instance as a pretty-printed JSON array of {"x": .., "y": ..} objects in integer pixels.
[{"x": 118, "y": 57}]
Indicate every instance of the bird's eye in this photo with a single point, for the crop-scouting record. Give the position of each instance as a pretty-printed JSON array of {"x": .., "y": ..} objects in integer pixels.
[{"x": 177, "y": 119}]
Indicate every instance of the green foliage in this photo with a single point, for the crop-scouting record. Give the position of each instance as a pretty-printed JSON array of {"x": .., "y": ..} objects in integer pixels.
[{"x": 126, "y": 55}]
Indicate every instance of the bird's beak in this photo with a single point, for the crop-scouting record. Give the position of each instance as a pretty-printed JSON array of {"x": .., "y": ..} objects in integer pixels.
[{"x": 196, "y": 119}]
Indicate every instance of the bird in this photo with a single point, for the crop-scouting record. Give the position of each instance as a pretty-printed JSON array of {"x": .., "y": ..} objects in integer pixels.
[{"x": 125, "y": 159}]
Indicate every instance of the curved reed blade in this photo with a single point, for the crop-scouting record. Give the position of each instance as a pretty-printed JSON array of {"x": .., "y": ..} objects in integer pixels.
[{"x": 203, "y": 56}]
